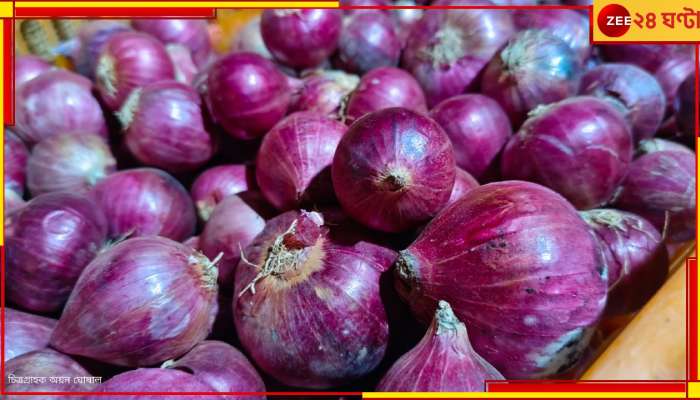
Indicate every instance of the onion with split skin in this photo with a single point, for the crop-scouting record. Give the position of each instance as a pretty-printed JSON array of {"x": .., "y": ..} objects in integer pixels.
[{"x": 25, "y": 332}]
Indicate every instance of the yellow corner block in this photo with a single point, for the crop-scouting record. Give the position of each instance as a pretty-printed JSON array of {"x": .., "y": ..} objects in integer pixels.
[
  {"x": 6, "y": 9},
  {"x": 694, "y": 390}
]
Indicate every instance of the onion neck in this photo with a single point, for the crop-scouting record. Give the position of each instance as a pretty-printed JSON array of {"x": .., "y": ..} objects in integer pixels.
[
  {"x": 207, "y": 269},
  {"x": 125, "y": 115},
  {"x": 395, "y": 180},
  {"x": 445, "y": 319},
  {"x": 449, "y": 47},
  {"x": 609, "y": 218},
  {"x": 107, "y": 75}
]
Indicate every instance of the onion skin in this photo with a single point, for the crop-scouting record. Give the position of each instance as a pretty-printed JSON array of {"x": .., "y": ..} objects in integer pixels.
[
  {"x": 92, "y": 36},
  {"x": 249, "y": 39},
  {"x": 143, "y": 201},
  {"x": 385, "y": 87},
  {"x": 28, "y": 67},
  {"x": 524, "y": 269},
  {"x": 464, "y": 183},
  {"x": 325, "y": 92},
  {"x": 157, "y": 300},
  {"x": 648, "y": 56},
  {"x": 185, "y": 69},
  {"x": 15, "y": 167},
  {"x": 46, "y": 363},
  {"x": 73, "y": 163},
  {"x": 568, "y": 25},
  {"x": 635, "y": 254},
  {"x": 301, "y": 38},
  {"x": 443, "y": 361},
  {"x": 652, "y": 145},
  {"x": 405, "y": 19},
  {"x": 686, "y": 108},
  {"x": 48, "y": 242},
  {"x": 153, "y": 380},
  {"x": 581, "y": 147},
  {"x": 56, "y": 102},
  {"x": 324, "y": 287},
  {"x": 672, "y": 73},
  {"x": 191, "y": 33},
  {"x": 217, "y": 183},
  {"x": 293, "y": 163},
  {"x": 478, "y": 129},
  {"x": 393, "y": 170},
  {"x": 26, "y": 332},
  {"x": 368, "y": 40}
]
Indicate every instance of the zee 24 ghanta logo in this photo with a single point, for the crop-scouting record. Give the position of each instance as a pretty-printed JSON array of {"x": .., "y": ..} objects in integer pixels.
[{"x": 615, "y": 20}]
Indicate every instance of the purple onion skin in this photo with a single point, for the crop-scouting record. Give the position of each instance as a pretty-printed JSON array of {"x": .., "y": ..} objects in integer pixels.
[
  {"x": 672, "y": 73},
  {"x": 685, "y": 108},
  {"x": 92, "y": 36},
  {"x": 293, "y": 164},
  {"x": 157, "y": 300},
  {"x": 478, "y": 129},
  {"x": 325, "y": 92},
  {"x": 534, "y": 68},
  {"x": 652, "y": 145},
  {"x": 72, "y": 163},
  {"x": 249, "y": 39},
  {"x": 648, "y": 56},
  {"x": 144, "y": 202},
  {"x": 55, "y": 102},
  {"x": 524, "y": 269},
  {"x": 581, "y": 147},
  {"x": 635, "y": 254},
  {"x": 25, "y": 332},
  {"x": 661, "y": 183},
  {"x": 405, "y": 19},
  {"x": 46, "y": 363},
  {"x": 191, "y": 33},
  {"x": 185, "y": 69},
  {"x": 635, "y": 89},
  {"x": 192, "y": 242},
  {"x": 393, "y": 170},
  {"x": 443, "y": 361},
  {"x": 13, "y": 201},
  {"x": 247, "y": 110},
  {"x": 368, "y": 40},
  {"x": 464, "y": 183},
  {"x": 217, "y": 183},
  {"x": 325, "y": 287},
  {"x": 153, "y": 380},
  {"x": 568, "y": 25},
  {"x": 15, "y": 167},
  {"x": 301, "y": 38},
  {"x": 48, "y": 242},
  {"x": 28, "y": 67},
  {"x": 382, "y": 88}
]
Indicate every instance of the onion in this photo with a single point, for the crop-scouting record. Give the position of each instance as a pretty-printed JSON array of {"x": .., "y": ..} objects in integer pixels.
[
  {"x": 686, "y": 107},
  {"x": 660, "y": 186},
  {"x": 651, "y": 145},
  {"x": 46, "y": 363},
  {"x": 57, "y": 101},
  {"x": 648, "y": 56},
  {"x": 478, "y": 129},
  {"x": 157, "y": 299},
  {"x": 15, "y": 167},
  {"x": 92, "y": 36},
  {"x": 128, "y": 61},
  {"x": 185, "y": 70},
  {"x": 385, "y": 87},
  {"x": 146, "y": 201},
  {"x": 672, "y": 73},
  {"x": 367, "y": 41},
  {"x": 249, "y": 39},
  {"x": 521, "y": 270},
  {"x": 581, "y": 147},
  {"x": 635, "y": 254},
  {"x": 464, "y": 183},
  {"x": 448, "y": 48},
  {"x": 164, "y": 128},
  {"x": 13, "y": 201},
  {"x": 28, "y": 67},
  {"x": 325, "y": 92},
  {"x": 247, "y": 94},
  {"x": 153, "y": 380},
  {"x": 219, "y": 182},
  {"x": 393, "y": 170},
  {"x": 71, "y": 162},
  {"x": 534, "y": 68},
  {"x": 568, "y": 25},
  {"x": 443, "y": 361},
  {"x": 405, "y": 19},
  {"x": 191, "y": 33},
  {"x": 49, "y": 242},
  {"x": 192, "y": 242},
  {"x": 637, "y": 91},
  {"x": 25, "y": 333},
  {"x": 301, "y": 38},
  {"x": 293, "y": 163},
  {"x": 295, "y": 282}
]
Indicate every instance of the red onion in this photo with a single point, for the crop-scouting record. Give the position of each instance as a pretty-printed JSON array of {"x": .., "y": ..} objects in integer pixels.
[
  {"x": 581, "y": 147},
  {"x": 185, "y": 70},
  {"x": 635, "y": 254},
  {"x": 648, "y": 56},
  {"x": 28, "y": 67},
  {"x": 325, "y": 92},
  {"x": 568, "y": 25},
  {"x": 443, "y": 361},
  {"x": 128, "y": 61},
  {"x": 367, "y": 41},
  {"x": 393, "y": 170},
  {"x": 71, "y": 162},
  {"x": 92, "y": 36},
  {"x": 157, "y": 299},
  {"x": 219, "y": 182},
  {"x": 46, "y": 364},
  {"x": 385, "y": 87},
  {"x": 672, "y": 73},
  {"x": 49, "y": 242},
  {"x": 478, "y": 129},
  {"x": 164, "y": 128},
  {"x": 651, "y": 145},
  {"x": 293, "y": 163},
  {"x": 25, "y": 332},
  {"x": 686, "y": 107},
  {"x": 146, "y": 201},
  {"x": 405, "y": 19},
  {"x": 153, "y": 380},
  {"x": 57, "y": 101},
  {"x": 520, "y": 268},
  {"x": 192, "y": 242},
  {"x": 247, "y": 94},
  {"x": 296, "y": 282},
  {"x": 534, "y": 68},
  {"x": 660, "y": 186},
  {"x": 192, "y": 33},
  {"x": 637, "y": 91},
  {"x": 15, "y": 167},
  {"x": 464, "y": 183},
  {"x": 448, "y": 48},
  {"x": 249, "y": 39},
  {"x": 301, "y": 38},
  {"x": 13, "y": 201}
]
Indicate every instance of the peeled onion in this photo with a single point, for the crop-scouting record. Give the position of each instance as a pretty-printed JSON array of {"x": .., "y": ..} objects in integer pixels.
[
  {"x": 28, "y": 67},
  {"x": 25, "y": 332},
  {"x": 153, "y": 380},
  {"x": 464, "y": 183},
  {"x": 368, "y": 40},
  {"x": 325, "y": 92},
  {"x": 15, "y": 167},
  {"x": 92, "y": 36},
  {"x": 217, "y": 183},
  {"x": 191, "y": 33},
  {"x": 47, "y": 364},
  {"x": 568, "y": 25}
]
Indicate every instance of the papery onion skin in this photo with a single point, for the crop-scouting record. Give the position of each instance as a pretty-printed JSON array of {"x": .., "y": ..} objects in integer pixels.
[
  {"x": 672, "y": 73},
  {"x": 56, "y": 102},
  {"x": 157, "y": 300},
  {"x": 635, "y": 254},
  {"x": 534, "y": 68},
  {"x": 651, "y": 145},
  {"x": 217, "y": 183},
  {"x": 92, "y": 36},
  {"x": 325, "y": 92},
  {"x": 385, "y": 87},
  {"x": 147, "y": 380},
  {"x": 635, "y": 89},
  {"x": 478, "y": 129},
  {"x": 293, "y": 163},
  {"x": 368, "y": 40},
  {"x": 443, "y": 361},
  {"x": 73, "y": 163},
  {"x": 393, "y": 170},
  {"x": 249, "y": 39},
  {"x": 15, "y": 167},
  {"x": 464, "y": 183},
  {"x": 28, "y": 67},
  {"x": 507, "y": 253},
  {"x": 25, "y": 332},
  {"x": 648, "y": 56},
  {"x": 143, "y": 201},
  {"x": 46, "y": 363},
  {"x": 185, "y": 69},
  {"x": 686, "y": 108},
  {"x": 568, "y": 25},
  {"x": 48, "y": 243},
  {"x": 581, "y": 147},
  {"x": 658, "y": 184},
  {"x": 13, "y": 201},
  {"x": 191, "y": 33},
  {"x": 301, "y": 38},
  {"x": 325, "y": 287}
]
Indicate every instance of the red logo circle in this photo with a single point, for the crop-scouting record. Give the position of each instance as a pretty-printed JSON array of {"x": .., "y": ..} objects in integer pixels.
[{"x": 614, "y": 20}]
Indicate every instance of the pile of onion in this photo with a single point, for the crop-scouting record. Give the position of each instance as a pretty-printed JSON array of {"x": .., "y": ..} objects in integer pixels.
[
  {"x": 190, "y": 33},
  {"x": 25, "y": 332},
  {"x": 368, "y": 40},
  {"x": 325, "y": 92},
  {"x": 92, "y": 36},
  {"x": 15, "y": 167},
  {"x": 568, "y": 25},
  {"x": 47, "y": 364},
  {"x": 216, "y": 183}
]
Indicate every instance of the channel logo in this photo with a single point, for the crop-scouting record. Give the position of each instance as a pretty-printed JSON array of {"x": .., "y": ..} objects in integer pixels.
[{"x": 614, "y": 20}]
